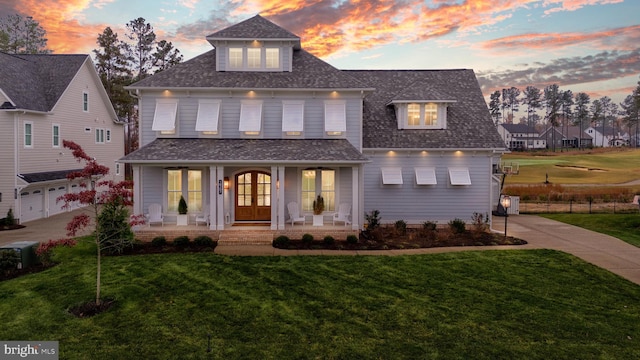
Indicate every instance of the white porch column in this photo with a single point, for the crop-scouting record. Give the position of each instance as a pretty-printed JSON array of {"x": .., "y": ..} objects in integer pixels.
[
  {"x": 137, "y": 190},
  {"x": 355, "y": 191},
  {"x": 280, "y": 198},
  {"x": 219, "y": 191}
]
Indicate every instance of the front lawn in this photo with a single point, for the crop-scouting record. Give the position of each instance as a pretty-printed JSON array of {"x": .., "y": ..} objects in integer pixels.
[
  {"x": 625, "y": 227},
  {"x": 519, "y": 304}
]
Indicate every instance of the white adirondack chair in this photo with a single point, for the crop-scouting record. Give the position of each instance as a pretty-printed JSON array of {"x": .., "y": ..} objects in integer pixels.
[
  {"x": 204, "y": 217},
  {"x": 294, "y": 213},
  {"x": 343, "y": 214},
  {"x": 155, "y": 214}
]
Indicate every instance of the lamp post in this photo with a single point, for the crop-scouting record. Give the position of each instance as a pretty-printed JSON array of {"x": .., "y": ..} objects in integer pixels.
[{"x": 506, "y": 203}]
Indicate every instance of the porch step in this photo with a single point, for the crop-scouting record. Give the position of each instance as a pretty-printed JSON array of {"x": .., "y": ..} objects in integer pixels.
[{"x": 249, "y": 237}]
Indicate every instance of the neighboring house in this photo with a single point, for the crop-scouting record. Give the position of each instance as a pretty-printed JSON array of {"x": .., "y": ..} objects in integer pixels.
[
  {"x": 257, "y": 123},
  {"x": 45, "y": 99},
  {"x": 577, "y": 138},
  {"x": 521, "y": 137},
  {"x": 608, "y": 136},
  {"x": 553, "y": 137}
]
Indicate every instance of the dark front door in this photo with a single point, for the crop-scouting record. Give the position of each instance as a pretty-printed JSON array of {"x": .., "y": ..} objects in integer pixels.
[{"x": 253, "y": 196}]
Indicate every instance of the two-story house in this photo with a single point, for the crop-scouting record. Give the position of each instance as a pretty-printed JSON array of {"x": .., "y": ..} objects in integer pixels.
[
  {"x": 258, "y": 123},
  {"x": 521, "y": 137},
  {"x": 43, "y": 100},
  {"x": 608, "y": 136}
]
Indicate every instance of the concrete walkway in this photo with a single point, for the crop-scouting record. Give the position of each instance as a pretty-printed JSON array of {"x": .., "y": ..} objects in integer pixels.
[{"x": 602, "y": 250}]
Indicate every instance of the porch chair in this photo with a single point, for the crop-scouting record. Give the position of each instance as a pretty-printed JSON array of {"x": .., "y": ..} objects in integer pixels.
[
  {"x": 155, "y": 214},
  {"x": 294, "y": 213},
  {"x": 344, "y": 211},
  {"x": 203, "y": 217}
]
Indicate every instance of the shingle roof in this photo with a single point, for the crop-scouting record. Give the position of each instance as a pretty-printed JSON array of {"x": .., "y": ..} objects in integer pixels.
[
  {"x": 36, "y": 82},
  {"x": 46, "y": 175},
  {"x": 469, "y": 124},
  {"x": 254, "y": 28},
  {"x": 246, "y": 150},
  {"x": 519, "y": 128},
  {"x": 308, "y": 72}
]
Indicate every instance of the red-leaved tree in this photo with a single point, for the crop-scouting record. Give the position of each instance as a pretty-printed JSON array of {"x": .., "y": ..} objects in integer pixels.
[{"x": 101, "y": 198}]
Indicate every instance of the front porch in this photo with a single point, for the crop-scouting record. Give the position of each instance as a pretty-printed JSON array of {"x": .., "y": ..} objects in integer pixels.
[{"x": 244, "y": 234}]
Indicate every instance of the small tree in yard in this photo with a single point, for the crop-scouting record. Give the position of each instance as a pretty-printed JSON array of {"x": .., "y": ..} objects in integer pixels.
[{"x": 108, "y": 208}]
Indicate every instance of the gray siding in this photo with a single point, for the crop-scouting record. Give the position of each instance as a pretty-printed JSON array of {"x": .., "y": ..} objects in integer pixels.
[{"x": 418, "y": 203}]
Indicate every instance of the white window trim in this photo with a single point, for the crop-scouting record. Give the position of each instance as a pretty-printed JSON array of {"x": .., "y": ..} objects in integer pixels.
[
  {"x": 402, "y": 114},
  {"x": 208, "y": 117},
  {"x": 53, "y": 136},
  {"x": 100, "y": 136},
  {"x": 245, "y": 59},
  {"x": 107, "y": 135},
  {"x": 250, "y": 118},
  {"x": 85, "y": 104},
  {"x": 426, "y": 176},
  {"x": 335, "y": 117},
  {"x": 391, "y": 175},
  {"x": 24, "y": 135},
  {"x": 165, "y": 115},
  {"x": 293, "y": 117},
  {"x": 117, "y": 168},
  {"x": 459, "y": 176}
]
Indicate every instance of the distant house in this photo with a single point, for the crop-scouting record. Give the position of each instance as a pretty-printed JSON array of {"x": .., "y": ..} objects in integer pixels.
[
  {"x": 575, "y": 138},
  {"x": 521, "y": 137},
  {"x": 43, "y": 100},
  {"x": 608, "y": 136},
  {"x": 255, "y": 129}
]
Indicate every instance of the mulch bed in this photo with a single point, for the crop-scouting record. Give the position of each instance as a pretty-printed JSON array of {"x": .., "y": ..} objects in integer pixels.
[
  {"x": 149, "y": 248},
  {"x": 11, "y": 227},
  {"x": 91, "y": 308}
]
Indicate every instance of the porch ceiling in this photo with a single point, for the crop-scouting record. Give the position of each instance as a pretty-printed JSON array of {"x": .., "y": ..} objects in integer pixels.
[{"x": 247, "y": 150}]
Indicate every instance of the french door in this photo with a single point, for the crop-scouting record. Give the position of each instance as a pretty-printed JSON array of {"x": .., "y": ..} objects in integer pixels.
[{"x": 253, "y": 196}]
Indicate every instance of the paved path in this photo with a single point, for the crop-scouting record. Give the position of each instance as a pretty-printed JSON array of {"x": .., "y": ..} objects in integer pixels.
[{"x": 602, "y": 250}]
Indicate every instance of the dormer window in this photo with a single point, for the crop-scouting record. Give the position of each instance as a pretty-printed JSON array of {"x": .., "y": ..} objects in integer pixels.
[
  {"x": 421, "y": 115},
  {"x": 253, "y": 59},
  {"x": 272, "y": 57},
  {"x": 235, "y": 58}
]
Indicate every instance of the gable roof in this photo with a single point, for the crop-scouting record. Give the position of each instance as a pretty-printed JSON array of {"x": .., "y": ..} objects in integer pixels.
[
  {"x": 469, "y": 124},
  {"x": 255, "y": 28},
  {"x": 36, "y": 81},
  {"x": 308, "y": 72}
]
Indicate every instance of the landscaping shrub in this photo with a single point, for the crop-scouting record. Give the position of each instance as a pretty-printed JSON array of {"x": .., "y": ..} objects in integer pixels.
[
  {"x": 203, "y": 240},
  {"x": 401, "y": 227},
  {"x": 329, "y": 240},
  {"x": 10, "y": 219},
  {"x": 44, "y": 249},
  {"x": 159, "y": 241},
  {"x": 307, "y": 239},
  {"x": 9, "y": 260},
  {"x": 352, "y": 239},
  {"x": 181, "y": 241},
  {"x": 373, "y": 219},
  {"x": 429, "y": 226},
  {"x": 457, "y": 226},
  {"x": 281, "y": 241},
  {"x": 480, "y": 222},
  {"x": 113, "y": 227}
]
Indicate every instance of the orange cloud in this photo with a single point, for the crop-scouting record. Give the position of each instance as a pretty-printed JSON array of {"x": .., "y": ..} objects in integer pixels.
[
  {"x": 625, "y": 38},
  {"x": 573, "y": 5}
]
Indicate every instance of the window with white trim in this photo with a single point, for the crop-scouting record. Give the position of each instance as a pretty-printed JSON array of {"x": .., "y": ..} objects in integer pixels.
[
  {"x": 28, "y": 134},
  {"x": 55, "y": 136},
  {"x": 108, "y": 135},
  {"x": 459, "y": 176},
  {"x": 391, "y": 175},
  {"x": 99, "y": 136},
  {"x": 426, "y": 176},
  {"x": 253, "y": 58},
  {"x": 164, "y": 118},
  {"x": 117, "y": 168},
  {"x": 272, "y": 58},
  {"x": 235, "y": 58},
  {"x": 418, "y": 115},
  {"x": 251, "y": 117},
  {"x": 335, "y": 117},
  {"x": 85, "y": 101},
  {"x": 174, "y": 189},
  {"x": 318, "y": 182},
  {"x": 194, "y": 190},
  {"x": 208, "y": 116},
  {"x": 292, "y": 117}
]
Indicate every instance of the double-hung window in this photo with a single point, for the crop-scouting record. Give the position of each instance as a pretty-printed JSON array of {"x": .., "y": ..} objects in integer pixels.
[
  {"x": 55, "y": 133},
  {"x": 318, "y": 182},
  {"x": 421, "y": 115},
  {"x": 175, "y": 190},
  {"x": 99, "y": 136},
  {"x": 85, "y": 101},
  {"x": 235, "y": 58},
  {"x": 28, "y": 134}
]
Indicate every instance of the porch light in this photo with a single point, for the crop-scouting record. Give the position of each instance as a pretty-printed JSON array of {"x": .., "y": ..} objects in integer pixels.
[{"x": 226, "y": 183}]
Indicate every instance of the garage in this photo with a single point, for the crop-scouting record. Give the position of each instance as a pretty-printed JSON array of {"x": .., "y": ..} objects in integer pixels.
[
  {"x": 32, "y": 205},
  {"x": 54, "y": 193}
]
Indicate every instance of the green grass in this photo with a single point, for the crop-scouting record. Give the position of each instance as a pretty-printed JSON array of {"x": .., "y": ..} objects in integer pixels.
[
  {"x": 625, "y": 227},
  {"x": 536, "y": 304},
  {"x": 610, "y": 167}
]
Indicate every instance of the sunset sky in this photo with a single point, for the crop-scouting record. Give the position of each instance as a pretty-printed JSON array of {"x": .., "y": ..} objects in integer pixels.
[{"x": 591, "y": 46}]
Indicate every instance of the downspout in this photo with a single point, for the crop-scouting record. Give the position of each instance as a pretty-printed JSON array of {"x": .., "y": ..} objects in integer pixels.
[{"x": 16, "y": 192}]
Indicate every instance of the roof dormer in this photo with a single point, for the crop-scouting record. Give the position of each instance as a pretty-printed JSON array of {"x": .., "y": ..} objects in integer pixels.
[
  {"x": 255, "y": 44},
  {"x": 420, "y": 106}
]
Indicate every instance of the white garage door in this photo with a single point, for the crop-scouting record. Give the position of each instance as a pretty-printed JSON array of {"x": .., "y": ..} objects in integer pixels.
[
  {"x": 54, "y": 193},
  {"x": 32, "y": 203}
]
